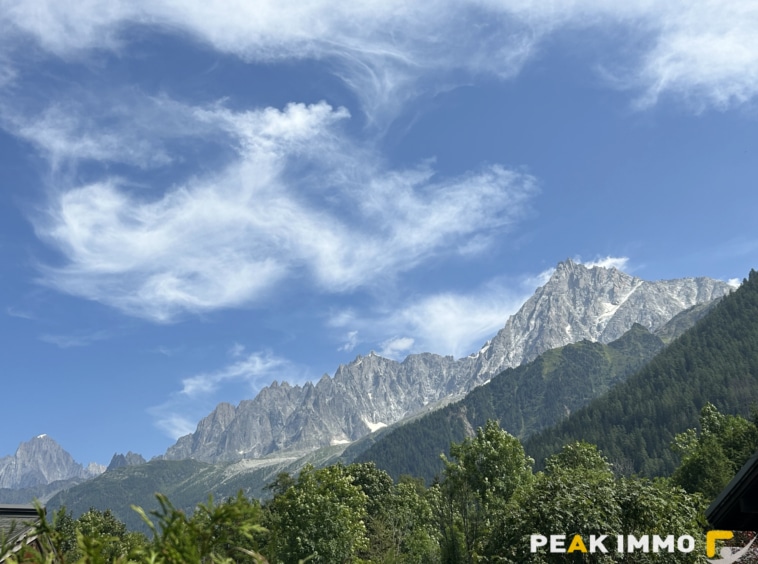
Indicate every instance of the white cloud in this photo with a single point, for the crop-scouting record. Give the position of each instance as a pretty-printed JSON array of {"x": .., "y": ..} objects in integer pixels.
[
  {"x": 173, "y": 425},
  {"x": 254, "y": 369},
  {"x": 351, "y": 341},
  {"x": 68, "y": 132},
  {"x": 388, "y": 52},
  {"x": 705, "y": 52},
  {"x": 734, "y": 282},
  {"x": 295, "y": 195},
  {"x": 396, "y": 347},
  {"x": 225, "y": 239},
  {"x": 69, "y": 341},
  {"x": 385, "y": 51},
  {"x": 619, "y": 263},
  {"x": 457, "y": 324},
  {"x": 165, "y": 351},
  {"x": 19, "y": 313},
  {"x": 178, "y": 415},
  {"x": 532, "y": 282},
  {"x": 450, "y": 323}
]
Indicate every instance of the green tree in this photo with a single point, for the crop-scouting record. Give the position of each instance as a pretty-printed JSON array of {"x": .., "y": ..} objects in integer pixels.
[
  {"x": 477, "y": 486},
  {"x": 660, "y": 507},
  {"x": 578, "y": 494},
  {"x": 713, "y": 456},
  {"x": 226, "y": 532},
  {"x": 320, "y": 517},
  {"x": 219, "y": 534},
  {"x": 404, "y": 529},
  {"x": 64, "y": 526},
  {"x": 574, "y": 495},
  {"x": 103, "y": 527}
]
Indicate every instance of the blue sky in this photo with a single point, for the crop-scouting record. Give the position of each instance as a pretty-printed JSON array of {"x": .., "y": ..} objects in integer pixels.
[{"x": 198, "y": 198}]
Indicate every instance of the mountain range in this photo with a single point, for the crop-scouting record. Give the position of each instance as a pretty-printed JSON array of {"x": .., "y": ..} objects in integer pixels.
[
  {"x": 553, "y": 387},
  {"x": 284, "y": 422},
  {"x": 576, "y": 303}
]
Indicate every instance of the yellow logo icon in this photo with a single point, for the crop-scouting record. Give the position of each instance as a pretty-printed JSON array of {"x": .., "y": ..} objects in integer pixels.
[
  {"x": 712, "y": 537},
  {"x": 728, "y": 554}
]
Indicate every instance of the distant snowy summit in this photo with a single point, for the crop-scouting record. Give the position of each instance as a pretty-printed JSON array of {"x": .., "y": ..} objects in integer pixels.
[{"x": 576, "y": 303}]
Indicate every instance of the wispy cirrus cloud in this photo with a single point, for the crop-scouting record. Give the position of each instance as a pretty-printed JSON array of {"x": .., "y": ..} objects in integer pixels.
[
  {"x": 225, "y": 239},
  {"x": 173, "y": 425},
  {"x": 387, "y": 52},
  {"x": 396, "y": 347},
  {"x": 178, "y": 415},
  {"x": 74, "y": 340},
  {"x": 351, "y": 341},
  {"x": 253, "y": 369},
  {"x": 105, "y": 125},
  {"x": 391, "y": 51},
  {"x": 705, "y": 53},
  {"x": 20, "y": 313},
  {"x": 454, "y": 323}
]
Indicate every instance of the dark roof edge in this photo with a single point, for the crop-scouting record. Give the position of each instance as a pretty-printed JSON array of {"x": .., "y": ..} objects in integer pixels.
[
  {"x": 17, "y": 510},
  {"x": 731, "y": 494}
]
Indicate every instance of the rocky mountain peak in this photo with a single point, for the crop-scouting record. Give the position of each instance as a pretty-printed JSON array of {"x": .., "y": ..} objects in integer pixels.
[
  {"x": 41, "y": 461},
  {"x": 576, "y": 303},
  {"x": 593, "y": 303},
  {"x": 566, "y": 265},
  {"x": 128, "y": 459}
]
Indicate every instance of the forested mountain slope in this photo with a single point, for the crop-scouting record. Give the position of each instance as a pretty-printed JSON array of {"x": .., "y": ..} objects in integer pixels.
[
  {"x": 634, "y": 423},
  {"x": 524, "y": 400}
]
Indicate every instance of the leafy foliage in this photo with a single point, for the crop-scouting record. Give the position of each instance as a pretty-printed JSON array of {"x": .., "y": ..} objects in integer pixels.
[
  {"x": 487, "y": 470},
  {"x": 485, "y": 509},
  {"x": 320, "y": 517},
  {"x": 99, "y": 527},
  {"x": 712, "y": 457},
  {"x": 228, "y": 532},
  {"x": 578, "y": 494}
]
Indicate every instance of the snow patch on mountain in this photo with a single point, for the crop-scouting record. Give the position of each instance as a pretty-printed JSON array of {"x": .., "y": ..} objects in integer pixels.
[{"x": 374, "y": 426}]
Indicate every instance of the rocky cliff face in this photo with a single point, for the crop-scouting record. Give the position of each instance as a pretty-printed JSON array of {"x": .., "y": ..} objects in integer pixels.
[
  {"x": 42, "y": 461},
  {"x": 367, "y": 394},
  {"x": 598, "y": 304}
]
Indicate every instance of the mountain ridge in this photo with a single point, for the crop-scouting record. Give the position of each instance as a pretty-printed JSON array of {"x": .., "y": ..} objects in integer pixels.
[
  {"x": 577, "y": 302},
  {"x": 189, "y": 482},
  {"x": 524, "y": 400}
]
